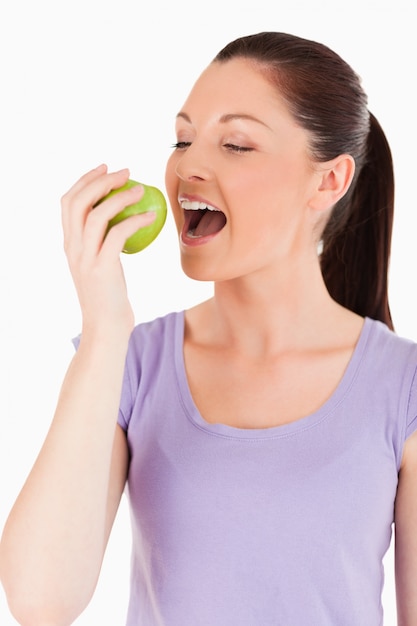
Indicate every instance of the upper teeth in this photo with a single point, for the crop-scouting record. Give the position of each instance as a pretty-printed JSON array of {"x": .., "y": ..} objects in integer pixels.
[{"x": 193, "y": 205}]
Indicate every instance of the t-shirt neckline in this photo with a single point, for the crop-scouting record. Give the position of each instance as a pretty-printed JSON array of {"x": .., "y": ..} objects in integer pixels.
[{"x": 284, "y": 430}]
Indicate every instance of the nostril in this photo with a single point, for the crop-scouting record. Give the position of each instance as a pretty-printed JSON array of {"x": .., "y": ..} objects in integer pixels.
[
  {"x": 187, "y": 174},
  {"x": 190, "y": 168}
]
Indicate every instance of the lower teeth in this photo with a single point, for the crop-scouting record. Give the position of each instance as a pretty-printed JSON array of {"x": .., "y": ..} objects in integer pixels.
[{"x": 191, "y": 235}]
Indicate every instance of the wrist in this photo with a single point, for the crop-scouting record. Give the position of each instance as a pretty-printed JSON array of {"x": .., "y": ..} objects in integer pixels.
[{"x": 108, "y": 336}]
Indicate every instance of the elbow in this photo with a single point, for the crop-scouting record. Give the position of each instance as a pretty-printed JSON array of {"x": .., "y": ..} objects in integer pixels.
[
  {"x": 37, "y": 600},
  {"x": 40, "y": 613},
  {"x": 30, "y": 617},
  {"x": 31, "y": 606}
]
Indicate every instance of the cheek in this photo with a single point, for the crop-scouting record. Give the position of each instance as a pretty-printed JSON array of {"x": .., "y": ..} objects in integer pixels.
[
  {"x": 273, "y": 185},
  {"x": 266, "y": 205},
  {"x": 254, "y": 192}
]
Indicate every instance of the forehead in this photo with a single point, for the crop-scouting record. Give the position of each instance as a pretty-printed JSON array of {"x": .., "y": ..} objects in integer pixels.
[{"x": 234, "y": 85}]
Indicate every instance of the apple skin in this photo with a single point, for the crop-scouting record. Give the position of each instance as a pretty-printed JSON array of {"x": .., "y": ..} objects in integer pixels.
[{"x": 152, "y": 200}]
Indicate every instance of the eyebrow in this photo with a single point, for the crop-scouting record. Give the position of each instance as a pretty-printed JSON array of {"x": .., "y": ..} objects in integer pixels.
[{"x": 228, "y": 117}]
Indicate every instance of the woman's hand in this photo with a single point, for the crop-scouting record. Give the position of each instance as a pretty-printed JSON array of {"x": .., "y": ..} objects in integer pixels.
[{"x": 94, "y": 259}]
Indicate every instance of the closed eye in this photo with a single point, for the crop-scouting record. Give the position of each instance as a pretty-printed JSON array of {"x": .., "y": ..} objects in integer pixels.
[
  {"x": 233, "y": 148},
  {"x": 181, "y": 145}
]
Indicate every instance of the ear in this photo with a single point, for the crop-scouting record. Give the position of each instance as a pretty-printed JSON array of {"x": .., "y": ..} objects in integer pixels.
[{"x": 334, "y": 179}]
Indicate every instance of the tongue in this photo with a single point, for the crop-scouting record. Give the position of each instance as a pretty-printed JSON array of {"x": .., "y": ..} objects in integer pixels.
[{"x": 210, "y": 223}]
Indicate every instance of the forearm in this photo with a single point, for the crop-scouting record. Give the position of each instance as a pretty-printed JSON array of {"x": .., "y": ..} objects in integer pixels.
[{"x": 54, "y": 539}]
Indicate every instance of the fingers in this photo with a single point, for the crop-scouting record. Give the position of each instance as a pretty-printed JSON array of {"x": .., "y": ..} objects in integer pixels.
[
  {"x": 96, "y": 222},
  {"x": 80, "y": 199},
  {"x": 85, "y": 223},
  {"x": 86, "y": 178},
  {"x": 118, "y": 234}
]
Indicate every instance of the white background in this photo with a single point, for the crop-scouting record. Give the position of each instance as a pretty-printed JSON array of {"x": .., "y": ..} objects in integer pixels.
[{"x": 89, "y": 81}]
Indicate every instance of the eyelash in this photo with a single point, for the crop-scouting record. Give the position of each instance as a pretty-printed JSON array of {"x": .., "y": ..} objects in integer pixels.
[
  {"x": 233, "y": 148},
  {"x": 182, "y": 145}
]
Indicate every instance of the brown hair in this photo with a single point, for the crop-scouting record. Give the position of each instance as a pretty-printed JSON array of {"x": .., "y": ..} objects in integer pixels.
[{"x": 326, "y": 98}]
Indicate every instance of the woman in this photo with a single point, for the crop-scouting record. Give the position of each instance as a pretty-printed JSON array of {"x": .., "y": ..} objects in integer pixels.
[{"x": 267, "y": 434}]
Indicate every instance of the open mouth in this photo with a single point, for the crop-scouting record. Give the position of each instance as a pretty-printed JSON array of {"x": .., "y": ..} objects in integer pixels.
[{"x": 201, "y": 220}]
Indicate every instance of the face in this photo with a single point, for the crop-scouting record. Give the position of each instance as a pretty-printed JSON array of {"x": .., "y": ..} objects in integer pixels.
[{"x": 239, "y": 153}]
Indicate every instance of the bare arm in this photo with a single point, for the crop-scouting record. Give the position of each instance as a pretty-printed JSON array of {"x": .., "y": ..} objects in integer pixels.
[
  {"x": 406, "y": 536},
  {"x": 54, "y": 540}
]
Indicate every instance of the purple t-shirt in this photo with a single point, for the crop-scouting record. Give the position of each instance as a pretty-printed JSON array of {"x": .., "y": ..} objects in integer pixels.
[{"x": 284, "y": 526}]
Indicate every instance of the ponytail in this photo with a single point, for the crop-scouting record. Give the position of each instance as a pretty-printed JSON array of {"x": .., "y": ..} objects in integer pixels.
[{"x": 356, "y": 249}]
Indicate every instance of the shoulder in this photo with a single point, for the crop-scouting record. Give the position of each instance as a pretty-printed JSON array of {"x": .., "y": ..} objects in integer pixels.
[
  {"x": 153, "y": 349},
  {"x": 388, "y": 361},
  {"x": 391, "y": 351},
  {"x": 154, "y": 333},
  {"x": 152, "y": 343},
  {"x": 389, "y": 367},
  {"x": 151, "y": 340}
]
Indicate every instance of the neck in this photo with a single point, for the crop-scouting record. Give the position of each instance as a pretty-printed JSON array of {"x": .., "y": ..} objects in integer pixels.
[{"x": 258, "y": 314}]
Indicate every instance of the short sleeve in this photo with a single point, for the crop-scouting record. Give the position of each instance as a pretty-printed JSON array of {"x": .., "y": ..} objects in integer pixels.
[
  {"x": 412, "y": 408},
  {"x": 125, "y": 407}
]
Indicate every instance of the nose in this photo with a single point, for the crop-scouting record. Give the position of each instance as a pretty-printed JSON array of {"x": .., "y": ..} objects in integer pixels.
[{"x": 192, "y": 164}]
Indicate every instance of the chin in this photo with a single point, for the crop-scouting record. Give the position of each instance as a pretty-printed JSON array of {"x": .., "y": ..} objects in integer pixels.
[{"x": 197, "y": 272}]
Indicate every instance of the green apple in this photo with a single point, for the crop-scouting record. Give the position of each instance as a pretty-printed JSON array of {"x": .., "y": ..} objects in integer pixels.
[{"x": 152, "y": 200}]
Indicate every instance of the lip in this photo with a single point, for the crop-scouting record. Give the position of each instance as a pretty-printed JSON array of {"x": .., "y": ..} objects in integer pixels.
[{"x": 188, "y": 240}]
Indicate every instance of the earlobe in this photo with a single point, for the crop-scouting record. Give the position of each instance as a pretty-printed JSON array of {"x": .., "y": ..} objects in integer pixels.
[{"x": 334, "y": 181}]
